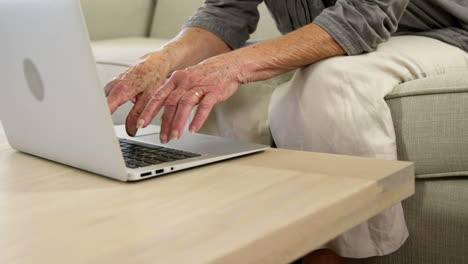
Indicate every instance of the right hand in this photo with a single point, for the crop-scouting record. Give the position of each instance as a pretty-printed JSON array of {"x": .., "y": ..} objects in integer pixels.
[{"x": 137, "y": 84}]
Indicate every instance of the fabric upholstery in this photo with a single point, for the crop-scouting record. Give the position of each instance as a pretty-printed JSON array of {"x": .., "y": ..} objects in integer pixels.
[
  {"x": 169, "y": 18},
  {"x": 437, "y": 219},
  {"x": 124, "y": 51},
  {"x": 431, "y": 121},
  {"x": 128, "y": 18}
]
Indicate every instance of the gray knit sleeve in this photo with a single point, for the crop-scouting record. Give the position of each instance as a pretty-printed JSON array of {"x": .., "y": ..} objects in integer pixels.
[
  {"x": 360, "y": 25},
  {"x": 231, "y": 20}
]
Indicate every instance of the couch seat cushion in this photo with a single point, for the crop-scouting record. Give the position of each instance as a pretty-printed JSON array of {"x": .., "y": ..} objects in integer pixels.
[{"x": 125, "y": 51}]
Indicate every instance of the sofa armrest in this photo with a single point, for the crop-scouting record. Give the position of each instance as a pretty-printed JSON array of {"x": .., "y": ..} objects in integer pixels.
[
  {"x": 431, "y": 123},
  {"x": 108, "y": 19}
]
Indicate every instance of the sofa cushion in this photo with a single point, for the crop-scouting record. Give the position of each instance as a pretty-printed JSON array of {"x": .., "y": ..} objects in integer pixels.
[
  {"x": 107, "y": 19},
  {"x": 431, "y": 123},
  {"x": 124, "y": 51},
  {"x": 169, "y": 18}
]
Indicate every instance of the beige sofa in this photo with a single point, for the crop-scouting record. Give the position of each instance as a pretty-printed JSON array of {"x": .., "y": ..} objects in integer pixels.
[{"x": 430, "y": 116}]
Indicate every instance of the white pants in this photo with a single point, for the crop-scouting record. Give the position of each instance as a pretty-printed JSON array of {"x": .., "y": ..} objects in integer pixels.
[{"x": 337, "y": 106}]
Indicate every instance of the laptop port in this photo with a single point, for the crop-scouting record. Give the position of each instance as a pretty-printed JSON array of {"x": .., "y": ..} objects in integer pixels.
[
  {"x": 159, "y": 171},
  {"x": 145, "y": 174}
]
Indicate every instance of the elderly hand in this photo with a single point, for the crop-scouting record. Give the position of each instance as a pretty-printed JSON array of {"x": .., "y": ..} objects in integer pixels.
[
  {"x": 206, "y": 84},
  {"x": 138, "y": 84}
]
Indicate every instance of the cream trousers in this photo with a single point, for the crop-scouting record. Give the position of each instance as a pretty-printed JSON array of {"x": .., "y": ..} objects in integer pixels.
[{"x": 337, "y": 106}]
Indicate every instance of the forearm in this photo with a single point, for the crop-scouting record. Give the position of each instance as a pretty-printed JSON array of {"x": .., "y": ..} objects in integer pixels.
[
  {"x": 192, "y": 46},
  {"x": 267, "y": 59}
]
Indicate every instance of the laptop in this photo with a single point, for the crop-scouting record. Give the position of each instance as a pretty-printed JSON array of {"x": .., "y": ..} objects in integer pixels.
[{"x": 53, "y": 106}]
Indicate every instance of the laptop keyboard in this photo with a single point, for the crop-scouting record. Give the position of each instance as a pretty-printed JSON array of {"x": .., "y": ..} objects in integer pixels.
[{"x": 137, "y": 156}]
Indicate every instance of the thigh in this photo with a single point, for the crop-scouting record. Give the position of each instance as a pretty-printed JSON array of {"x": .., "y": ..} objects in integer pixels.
[
  {"x": 347, "y": 93},
  {"x": 375, "y": 74}
]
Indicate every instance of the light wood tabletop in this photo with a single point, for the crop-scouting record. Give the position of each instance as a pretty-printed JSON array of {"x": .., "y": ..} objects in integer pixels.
[{"x": 271, "y": 207}]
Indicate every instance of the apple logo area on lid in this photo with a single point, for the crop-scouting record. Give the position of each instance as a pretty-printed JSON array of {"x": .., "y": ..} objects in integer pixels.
[{"x": 33, "y": 78}]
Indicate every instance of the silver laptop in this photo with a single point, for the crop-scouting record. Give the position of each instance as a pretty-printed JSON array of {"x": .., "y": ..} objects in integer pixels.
[{"x": 52, "y": 104}]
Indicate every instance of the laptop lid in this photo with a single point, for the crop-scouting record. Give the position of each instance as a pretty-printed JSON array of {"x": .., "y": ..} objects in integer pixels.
[{"x": 51, "y": 103}]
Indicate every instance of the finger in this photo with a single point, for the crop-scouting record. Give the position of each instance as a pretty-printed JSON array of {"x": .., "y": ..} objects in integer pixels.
[
  {"x": 169, "y": 111},
  {"x": 110, "y": 85},
  {"x": 135, "y": 99},
  {"x": 184, "y": 109},
  {"x": 134, "y": 122},
  {"x": 131, "y": 123},
  {"x": 120, "y": 94},
  {"x": 157, "y": 99},
  {"x": 155, "y": 103},
  {"x": 204, "y": 108}
]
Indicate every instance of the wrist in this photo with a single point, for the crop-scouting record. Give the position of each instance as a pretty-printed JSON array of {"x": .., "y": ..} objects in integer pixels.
[
  {"x": 234, "y": 66},
  {"x": 256, "y": 64}
]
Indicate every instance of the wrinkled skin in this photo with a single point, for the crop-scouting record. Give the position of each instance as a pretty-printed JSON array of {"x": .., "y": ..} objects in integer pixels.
[
  {"x": 138, "y": 83},
  {"x": 212, "y": 81}
]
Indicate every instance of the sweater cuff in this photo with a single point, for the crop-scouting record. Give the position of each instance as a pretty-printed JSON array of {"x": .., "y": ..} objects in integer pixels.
[
  {"x": 339, "y": 32},
  {"x": 232, "y": 38}
]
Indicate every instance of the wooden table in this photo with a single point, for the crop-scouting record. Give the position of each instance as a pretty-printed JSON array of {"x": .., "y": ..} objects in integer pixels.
[{"x": 271, "y": 207}]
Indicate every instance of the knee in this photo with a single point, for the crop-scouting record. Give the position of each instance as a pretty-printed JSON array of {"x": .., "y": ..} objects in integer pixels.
[
  {"x": 314, "y": 92},
  {"x": 313, "y": 104},
  {"x": 326, "y": 79}
]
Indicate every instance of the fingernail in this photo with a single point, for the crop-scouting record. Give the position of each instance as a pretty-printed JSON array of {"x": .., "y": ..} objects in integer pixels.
[
  {"x": 140, "y": 123},
  {"x": 174, "y": 135},
  {"x": 163, "y": 138}
]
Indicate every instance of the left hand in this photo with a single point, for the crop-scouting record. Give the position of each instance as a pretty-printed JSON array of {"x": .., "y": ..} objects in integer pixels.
[{"x": 206, "y": 84}]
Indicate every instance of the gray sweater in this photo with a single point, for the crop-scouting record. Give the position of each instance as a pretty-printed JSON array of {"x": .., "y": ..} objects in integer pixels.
[{"x": 357, "y": 25}]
